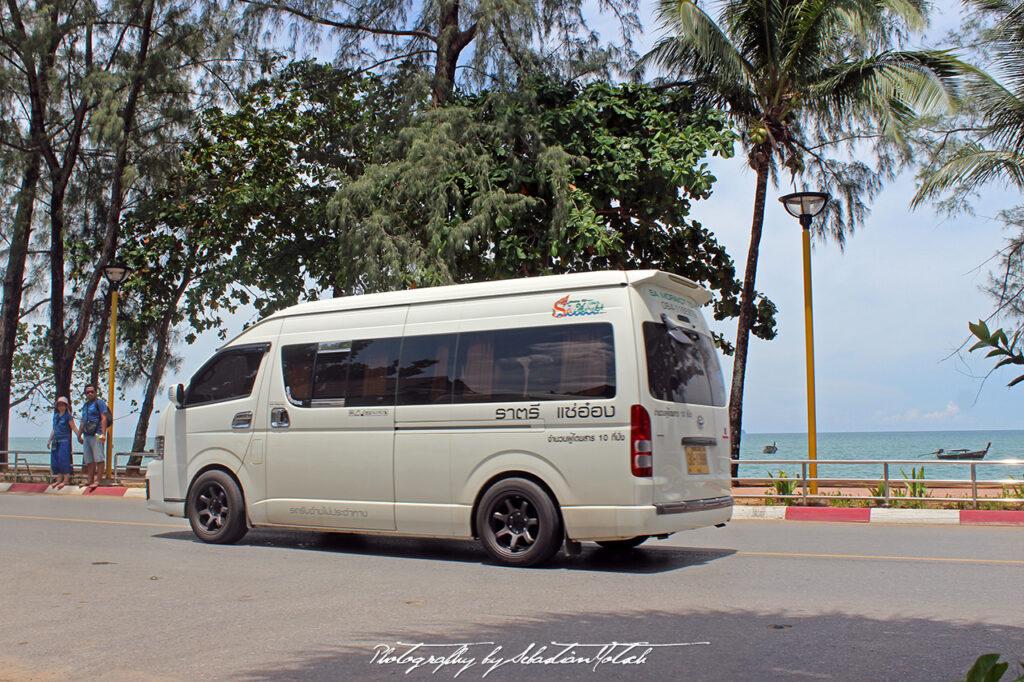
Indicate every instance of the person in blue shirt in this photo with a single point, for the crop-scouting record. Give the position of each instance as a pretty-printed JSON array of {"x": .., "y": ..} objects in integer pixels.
[
  {"x": 59, "y": 443},
  {"x": 95, "y": 420}
]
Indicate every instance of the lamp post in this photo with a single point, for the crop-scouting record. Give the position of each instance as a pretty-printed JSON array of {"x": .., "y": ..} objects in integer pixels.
[
  {"x": 115, "y": 274},
  {"x": 806, "y": 205}
]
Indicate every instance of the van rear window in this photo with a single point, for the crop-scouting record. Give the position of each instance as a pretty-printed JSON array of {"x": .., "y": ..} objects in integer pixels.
[{"x": 682, "y": 371}]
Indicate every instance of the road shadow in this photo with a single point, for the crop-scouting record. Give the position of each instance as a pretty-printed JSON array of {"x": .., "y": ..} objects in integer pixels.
[
  {"x": 646, "y": 559},
  {"x": 733, "y": 645}
]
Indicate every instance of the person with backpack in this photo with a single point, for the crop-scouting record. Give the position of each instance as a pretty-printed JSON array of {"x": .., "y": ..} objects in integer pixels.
[{"x": 95, "y": 420}]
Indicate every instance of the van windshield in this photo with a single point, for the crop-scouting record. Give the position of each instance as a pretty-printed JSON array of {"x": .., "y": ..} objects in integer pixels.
[{"x": 682, "y": 368}]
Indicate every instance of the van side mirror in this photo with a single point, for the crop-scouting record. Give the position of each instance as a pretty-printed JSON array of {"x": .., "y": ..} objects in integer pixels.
[{"x": 177, "y": 395}]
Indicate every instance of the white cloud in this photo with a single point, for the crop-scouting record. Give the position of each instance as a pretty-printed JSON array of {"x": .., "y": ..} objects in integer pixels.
[{"x": 915, "y": 415}]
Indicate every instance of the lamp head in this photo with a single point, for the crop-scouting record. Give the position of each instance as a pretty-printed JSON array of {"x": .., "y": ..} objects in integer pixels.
[
  {"x": 116, "y": 273},
  {"x": 805, "y": 205}
]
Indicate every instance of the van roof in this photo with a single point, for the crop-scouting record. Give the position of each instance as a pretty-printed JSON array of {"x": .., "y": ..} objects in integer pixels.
[{"x": 506, "y": 287}]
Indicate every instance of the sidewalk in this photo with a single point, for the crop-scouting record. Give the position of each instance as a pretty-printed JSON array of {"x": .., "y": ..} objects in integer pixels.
[{"x": 102, "y": 491}]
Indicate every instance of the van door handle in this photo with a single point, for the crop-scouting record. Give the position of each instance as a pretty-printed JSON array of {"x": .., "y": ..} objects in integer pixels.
[
  {"x": 279, "y": 418},
  {"x": 695, "y": 440},
  {"x": 242, "y": 420}
]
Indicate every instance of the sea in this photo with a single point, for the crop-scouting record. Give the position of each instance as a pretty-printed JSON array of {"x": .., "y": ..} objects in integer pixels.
[
  {"x": 914, "y": 447},
  {"x": 34, "y": 449}
]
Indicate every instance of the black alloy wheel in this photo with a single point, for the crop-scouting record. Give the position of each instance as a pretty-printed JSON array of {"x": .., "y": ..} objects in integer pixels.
[{"x": 518, "y": 523}]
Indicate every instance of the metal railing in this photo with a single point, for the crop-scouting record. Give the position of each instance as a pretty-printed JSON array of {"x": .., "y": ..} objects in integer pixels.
[
  {"x": 18, "y": 460},
  {"x": 142, "y": 469},
  {"x": 885, "y": 483},
  {"x": 19, "y": 457}
]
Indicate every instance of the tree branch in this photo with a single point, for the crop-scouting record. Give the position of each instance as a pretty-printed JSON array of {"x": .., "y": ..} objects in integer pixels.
[{"x": 323, "y": 21}]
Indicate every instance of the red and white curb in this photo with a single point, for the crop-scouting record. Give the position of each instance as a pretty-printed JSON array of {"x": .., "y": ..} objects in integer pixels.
[
  {"x": 972, "y": 517},
  {"x": 101, "y": 491}
]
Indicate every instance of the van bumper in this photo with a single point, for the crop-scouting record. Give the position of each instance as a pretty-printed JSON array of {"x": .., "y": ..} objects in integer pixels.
[
  {"x": 155, "y": 491},
  {"x": 614, "y": 522}
]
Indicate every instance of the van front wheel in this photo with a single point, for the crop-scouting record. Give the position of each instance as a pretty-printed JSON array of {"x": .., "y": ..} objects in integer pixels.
[
  {"x": 518, "y": 523},
  {"x": 215, "y": 509}
]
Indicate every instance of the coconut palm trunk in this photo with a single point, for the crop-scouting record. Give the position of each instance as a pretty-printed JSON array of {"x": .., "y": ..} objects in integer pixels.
[{"x": 746, "y": 320}]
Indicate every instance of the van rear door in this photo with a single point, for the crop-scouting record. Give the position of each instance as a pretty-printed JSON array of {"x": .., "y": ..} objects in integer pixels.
[{"x": 684, "y": 393}]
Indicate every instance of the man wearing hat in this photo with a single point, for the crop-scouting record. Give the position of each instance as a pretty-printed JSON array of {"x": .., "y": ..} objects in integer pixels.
[
  {"x": 95, "y": 418},
  {"x": 60, "y": 443}
]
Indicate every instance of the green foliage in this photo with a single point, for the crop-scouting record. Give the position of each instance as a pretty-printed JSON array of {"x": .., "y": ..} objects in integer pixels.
[
  {"x": 912, "y": 487},
  {"x": 246, "y": 210},
  {"x": 783, "y": 485},
  {"x": 1014, "y": 490},
  {"x": 464, "y": 45},
  {"x": 877, "y": 491},
  {"x": 1000, "y": 346},
  {"x": 549, "y": 178},
  {"x": 987, "y": 668}
]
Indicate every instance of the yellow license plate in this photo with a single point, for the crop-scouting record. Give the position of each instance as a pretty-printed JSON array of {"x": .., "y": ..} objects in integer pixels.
[{"x": 696, "y": 459}]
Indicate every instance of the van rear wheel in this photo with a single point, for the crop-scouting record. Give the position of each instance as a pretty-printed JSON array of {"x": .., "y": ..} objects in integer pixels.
[
  {"x": 215, "y": 509},
  {"x": 623, "y": 545},
  {"x": 518, "y": 523}
]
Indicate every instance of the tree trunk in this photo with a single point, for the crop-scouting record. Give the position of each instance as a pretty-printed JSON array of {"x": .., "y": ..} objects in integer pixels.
[
  {"x": 746, "y": 320},
  {"x": 156, "y": 375},
  {"x": 450, "y": 44},
  {"x": 13, "y": 288},
  {"x": 58, "y": 345},
  {"x": 100, "y": 339}
]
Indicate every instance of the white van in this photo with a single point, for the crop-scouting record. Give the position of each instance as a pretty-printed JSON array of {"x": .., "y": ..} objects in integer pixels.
[{"x": 525, "y": 413}]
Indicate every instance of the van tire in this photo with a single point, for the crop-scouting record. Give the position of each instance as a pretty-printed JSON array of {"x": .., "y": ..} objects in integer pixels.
[
  {"x": 518, "y": 523},
  {"x": 216, "y": 511},
  {"x": 623, "y": 545}
]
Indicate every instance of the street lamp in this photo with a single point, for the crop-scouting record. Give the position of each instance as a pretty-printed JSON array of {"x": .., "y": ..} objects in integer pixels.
[
  {"x": 115, "y": 274},
  {"x": 806, "y": 205}
]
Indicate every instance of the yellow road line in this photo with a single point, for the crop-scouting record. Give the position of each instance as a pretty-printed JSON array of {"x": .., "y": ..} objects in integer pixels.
[
  {"x": 115, "y": 523},
  {"x": 878, "y": 557}
]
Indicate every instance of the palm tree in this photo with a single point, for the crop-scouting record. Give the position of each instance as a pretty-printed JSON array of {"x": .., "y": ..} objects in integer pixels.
[
  {"x": 994, "y": 151},
  {"x": 796, "y": 76}
]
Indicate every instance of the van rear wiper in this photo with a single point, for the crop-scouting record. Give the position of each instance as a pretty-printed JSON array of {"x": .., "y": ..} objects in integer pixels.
[{"x": 678, "y": 334}]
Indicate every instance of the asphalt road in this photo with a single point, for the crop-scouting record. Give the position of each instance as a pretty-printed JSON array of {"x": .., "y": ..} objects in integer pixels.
[{"x": 92, "y": 587}]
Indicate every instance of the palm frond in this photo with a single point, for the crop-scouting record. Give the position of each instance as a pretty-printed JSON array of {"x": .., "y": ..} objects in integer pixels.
[
  {"x": 973, "y": 165},
  {"x": 698, "y": 46},
  {"x": 892, "y": 87}
]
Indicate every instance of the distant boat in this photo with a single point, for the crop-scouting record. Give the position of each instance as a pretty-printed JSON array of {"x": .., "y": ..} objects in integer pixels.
[
  {"x": 770, "y": 449},
  {"x": 962, "y": 453}
]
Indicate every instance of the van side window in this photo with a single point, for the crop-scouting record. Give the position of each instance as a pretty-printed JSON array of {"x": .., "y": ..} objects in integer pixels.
[
  {"x": 341, "y": 373},
  {"x": 227, "y": 376},
  {"x": 425, "y": 375},
  {"x": 536, "y": 363},
  {"x": 372, "y": 373},
  {"x": 297, "y": 367}
]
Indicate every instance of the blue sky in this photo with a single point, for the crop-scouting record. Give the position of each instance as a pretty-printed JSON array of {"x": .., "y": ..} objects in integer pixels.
[{"x": 890, "y": 312}]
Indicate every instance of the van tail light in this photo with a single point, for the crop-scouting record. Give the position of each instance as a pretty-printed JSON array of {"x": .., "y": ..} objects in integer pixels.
[{"x": 641, "y": 455}]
